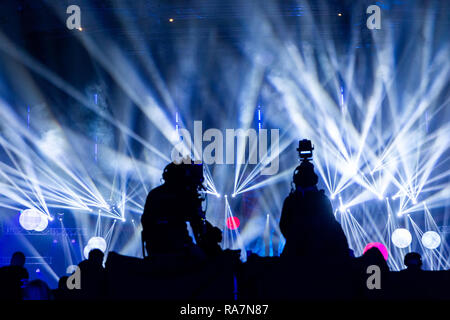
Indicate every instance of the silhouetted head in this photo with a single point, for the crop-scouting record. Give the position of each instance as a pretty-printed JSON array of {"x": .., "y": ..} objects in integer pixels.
[
  {"x": 304, "y": 175},
  {"x": 18, "y": 259},
  {"x": 413, "y": 260},
  {"x": 96, "y": 256},
  {"x": 374, "y": 255}
]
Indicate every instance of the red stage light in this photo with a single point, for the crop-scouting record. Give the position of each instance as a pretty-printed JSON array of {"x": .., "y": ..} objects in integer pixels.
[{"x": 233, "y": 223}]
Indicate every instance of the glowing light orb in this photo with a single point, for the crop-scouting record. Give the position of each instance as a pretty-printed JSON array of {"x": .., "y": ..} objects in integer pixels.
[
  {"x": 401, "y": 238},
  {"x": 379, "y": 246},
  {"x": 43, "y": 224},
  {"x": 94, "y": 243},
  {"x": 431, "y": 240},
  {"x": 32, "y": 219},
  {"x": 86, "y": 251},
  {"x": 233, "y": 223}
]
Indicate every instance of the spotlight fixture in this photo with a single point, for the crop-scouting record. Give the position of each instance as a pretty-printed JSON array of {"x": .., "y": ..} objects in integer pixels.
[
  {"x": 33, "y": 219},
  {"x": 401, "y": 238},
  {"x": 94, "y": 243},
  {"x": 431, "y": 240},
  {"x": 171, "y": 20}
]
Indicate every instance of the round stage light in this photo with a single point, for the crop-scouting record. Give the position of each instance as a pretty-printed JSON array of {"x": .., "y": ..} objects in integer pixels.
[
  {"x": 94, "y": 243},
  {"x": 30, "y": 219},
  {"x": 431, "y": 240},
  {"x": 233, "y": 223},
  {"x": 43, "y": 224},
  {"x": 86, "y": 251},
  {"x": 401, "y": 238},
  {"x": 379, "y": 246},
  {"x": 97, "y": 243}
]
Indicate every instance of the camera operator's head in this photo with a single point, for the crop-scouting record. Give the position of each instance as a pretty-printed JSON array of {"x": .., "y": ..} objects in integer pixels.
[{"x": 304, "y": 175}]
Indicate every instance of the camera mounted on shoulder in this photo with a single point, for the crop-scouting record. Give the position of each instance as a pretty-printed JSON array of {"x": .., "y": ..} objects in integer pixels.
[
  {"x": 185, "y": 174},
  {"x": 305, "y": 150},
  {"x": 304, "y": 175}
]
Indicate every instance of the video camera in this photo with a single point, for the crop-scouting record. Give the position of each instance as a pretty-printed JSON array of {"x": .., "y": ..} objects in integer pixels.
[
  {"x": 304, "y": 174},
  {"x": 194, "y": 174},
  {"x": 305, "y": 150},
  {"x": 188, "y": 174}
]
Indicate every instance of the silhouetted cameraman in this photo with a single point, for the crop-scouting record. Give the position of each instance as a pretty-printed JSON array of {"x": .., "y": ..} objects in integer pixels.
[
  {"x": 307, "y": 220},
  {"x": 170, "y": 206}
]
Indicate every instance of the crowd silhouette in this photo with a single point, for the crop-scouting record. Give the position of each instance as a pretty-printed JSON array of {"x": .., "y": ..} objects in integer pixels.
[{"x": 316, "y": 262}]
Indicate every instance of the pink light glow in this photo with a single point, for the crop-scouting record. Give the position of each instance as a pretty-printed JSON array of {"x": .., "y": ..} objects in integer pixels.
[
  {"x": 233, "y": 223},
  {"x": 379, "y": 246}
]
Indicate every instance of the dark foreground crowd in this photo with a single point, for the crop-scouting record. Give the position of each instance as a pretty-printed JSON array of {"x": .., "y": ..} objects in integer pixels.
[
  {"x": 224, "y": 277},
  {"x": 315, "y": 264}
]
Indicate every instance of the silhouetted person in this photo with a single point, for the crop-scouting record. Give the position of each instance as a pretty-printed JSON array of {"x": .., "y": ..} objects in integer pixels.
[
  {"x": 13, "y": 277},
  {"x": 93, "y": 276},
  {"x": 307, "y": 220},
  {"x": 413, "y": 283},
  {"x": 372, "y": 257},
  {"x": 37, "y": 290},
  {"x": 170, "y": 206},
  {"x": 413, "y": 262}
]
